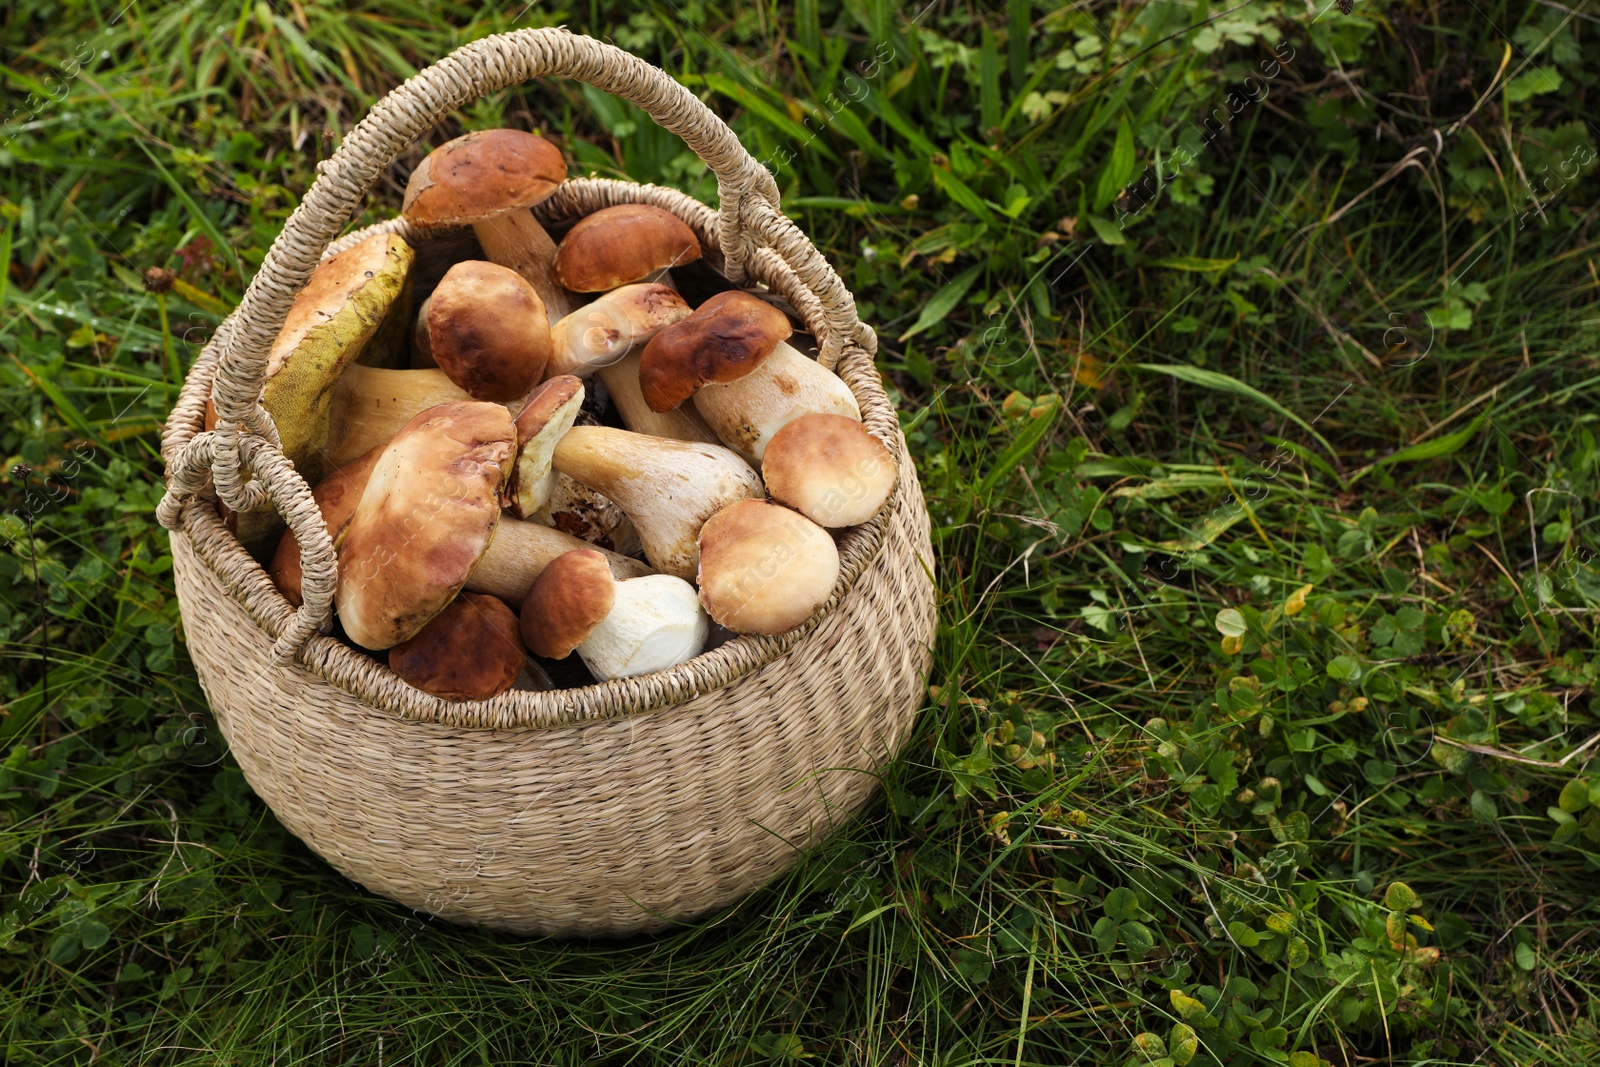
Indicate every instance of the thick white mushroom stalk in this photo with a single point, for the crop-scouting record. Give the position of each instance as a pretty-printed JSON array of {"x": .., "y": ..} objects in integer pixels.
[{"x": 655, "y": 623}]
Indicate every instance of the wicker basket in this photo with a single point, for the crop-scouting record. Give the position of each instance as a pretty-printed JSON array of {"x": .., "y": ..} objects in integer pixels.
[{"x": 613, "y": 809}]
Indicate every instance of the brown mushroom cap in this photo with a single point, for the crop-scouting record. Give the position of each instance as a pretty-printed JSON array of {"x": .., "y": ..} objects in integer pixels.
[
  {"x": 622, "y": 244},
  {"x": 722, "y": 341},
  {"x": 425, "y": 518},
  {"x": 763, "y": 568},
  {"x": 469, "y": 651},
  {"x": 481, "y": 175},
  {"x": 571, "y": 596},
  {"x": 486, "y": 329},
  {"x": 830, "y": 468}
]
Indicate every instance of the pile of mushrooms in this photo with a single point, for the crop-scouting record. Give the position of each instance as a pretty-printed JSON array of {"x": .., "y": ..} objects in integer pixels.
[{"x": 492, "y": 510}]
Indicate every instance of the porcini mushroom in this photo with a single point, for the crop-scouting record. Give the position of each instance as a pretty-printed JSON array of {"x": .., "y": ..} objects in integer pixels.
[
  {"x": 747, "y": 382},
  {"x": 488, "y": 180},
  {"x": 548, "y": 414},
  {"x": 469, "y": 651},
  {"x": 668, "y": 488},
  {"x": 606, "y": 337},
  {"x": 621, "y": 244},
  {"x": 619, "y": 629},
  {"x": 763, "y": 568},
  {"x": 830, "y": 469},
  {"x": 332, "y": 321},
  {"x": 485, "y": 327},
  {"x": 423, "y": 521},
  {"x": 336, "y": 495}
]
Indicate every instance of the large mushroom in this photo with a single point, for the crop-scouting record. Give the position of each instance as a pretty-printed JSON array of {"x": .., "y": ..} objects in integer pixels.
[
  {"x": 606, "y": 337},
  {"x": 333, "y": 321},
  {"x": 830, "y": 469},
  {"x": 488, "y": 180},
  {"x": 469, "y": 651},
  {"x": 625, "y": 243},
  {"x": 763, "y": 568},
  {"x": 668, "y": 488},
  {"x": 619, "y": 629},
  {"x": 731, "y": 355},
  {"x": 426, "y": 516},
  {"x": 486, "y": 328}
]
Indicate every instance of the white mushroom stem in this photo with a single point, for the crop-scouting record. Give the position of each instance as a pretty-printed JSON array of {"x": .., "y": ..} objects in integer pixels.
[
  {"x": 516, "y": 240},
  {"x": 668, "y": 488},
  {"x": 520, "y": 550},
  {"x": 370, "y": 404},
  {"x": 655, "y": 623},
  {"x": 746, "y": 412},
  {"x": 682, "y": 423}
]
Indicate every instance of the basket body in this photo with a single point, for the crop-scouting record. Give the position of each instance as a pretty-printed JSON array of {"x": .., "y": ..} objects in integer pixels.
[
  {"x": 608, "y": 828},
  {"x": 614, "y": 809}
]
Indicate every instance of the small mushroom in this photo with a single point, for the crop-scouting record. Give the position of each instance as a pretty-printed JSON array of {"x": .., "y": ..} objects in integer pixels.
[
  {"x": 488, "y": 180},
  {"x": 485, "y": 327},
  {"x": 548, "y": 414},
  {"x": 334, "y": 318},
  {"x": 747, "y": 382},
  {"x": 621, "y": 244},
  {"x": 469, "y": 651},
  {"x": 337, "y": 495},
  {"x": 668, "y": 488},
  {"x": 763, "y": 568},
  {"x": 426, "y": 516},
  {"x": 619, "y": 629},
  {"x": 830, "y": 469},
  {"x": 606, "y": 337}
]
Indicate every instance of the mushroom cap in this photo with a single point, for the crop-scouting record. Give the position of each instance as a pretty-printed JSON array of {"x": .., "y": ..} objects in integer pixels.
[
  {"x": 548, "y": 414},
  {"x": 337, "y": 496},
  {"x": 571, "y": 596},
  {"x": 829, "y": 468},
  {"x": 763, "y": 568},
  {"x": 621, "y": 244},
  {"x": 486, "y": 328},
  {"x": 333, "y": 286},
  {"x": 424, "y": 520},
  {"x": 723, "y": 340},
  {"x": 469, "y": 651},
  {"x": 480, "y": 175}
]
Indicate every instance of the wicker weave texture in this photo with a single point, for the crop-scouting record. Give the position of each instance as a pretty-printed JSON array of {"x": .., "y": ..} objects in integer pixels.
[{"x": 614, "y": 809}]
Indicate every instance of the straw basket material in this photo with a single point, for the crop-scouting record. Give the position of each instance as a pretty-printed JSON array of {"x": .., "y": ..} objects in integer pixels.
[{"x": 613, "y": 809}]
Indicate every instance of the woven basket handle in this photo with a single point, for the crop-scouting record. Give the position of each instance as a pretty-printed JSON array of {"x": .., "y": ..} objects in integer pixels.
[{"x": 245, "y": 441}]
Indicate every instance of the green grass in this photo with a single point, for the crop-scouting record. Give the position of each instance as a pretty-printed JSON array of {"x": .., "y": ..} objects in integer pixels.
[{"x": 1262, "y": 708}]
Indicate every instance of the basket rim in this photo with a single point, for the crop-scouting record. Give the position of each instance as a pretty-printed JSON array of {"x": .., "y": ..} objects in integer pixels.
[{"x": 369, "y": 680}]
